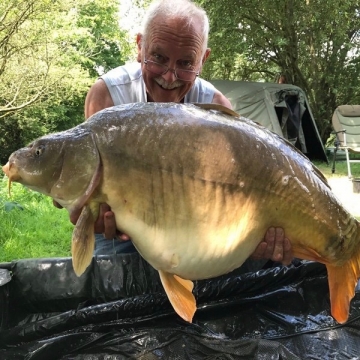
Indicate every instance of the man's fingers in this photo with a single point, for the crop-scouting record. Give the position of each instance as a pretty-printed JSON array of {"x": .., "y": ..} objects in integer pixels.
[
  {"x": 269, "y": 239},
  {"x": 288, "y": 255},
  {"x": 259, "y": 251},
  {"x": 122, "y": 236},
  {"x": 105, "y": 224},
  {"x": 99, "y": 226},
  {"x": 111, "y": 231},
  {"x": 275, "y": 246},
  {"x": 278, "y": 252},
  {"x": 110, "y": 225},
  {"x": 74, "y": 216}
]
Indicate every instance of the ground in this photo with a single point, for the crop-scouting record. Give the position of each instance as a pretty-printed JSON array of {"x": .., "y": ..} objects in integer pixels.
[{"x": 344, "y": 189}]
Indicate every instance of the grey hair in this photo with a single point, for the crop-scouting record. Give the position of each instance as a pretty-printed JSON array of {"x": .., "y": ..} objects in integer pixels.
[{"x": 184, "y": 9}]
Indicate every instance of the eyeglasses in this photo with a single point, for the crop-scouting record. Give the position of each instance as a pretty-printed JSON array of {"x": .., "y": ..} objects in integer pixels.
[{"x": 160, "y": 69}]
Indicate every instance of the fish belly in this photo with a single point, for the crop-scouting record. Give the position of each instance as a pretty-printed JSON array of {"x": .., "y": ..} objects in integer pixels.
[{"x": 191, "y": 228}]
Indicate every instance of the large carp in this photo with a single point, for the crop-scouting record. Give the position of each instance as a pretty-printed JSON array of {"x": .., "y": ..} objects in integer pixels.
[{"x": 196, "y": 189}]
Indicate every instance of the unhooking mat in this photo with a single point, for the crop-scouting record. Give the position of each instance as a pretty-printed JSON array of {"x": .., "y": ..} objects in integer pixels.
[{"x": 119, "y": 310}]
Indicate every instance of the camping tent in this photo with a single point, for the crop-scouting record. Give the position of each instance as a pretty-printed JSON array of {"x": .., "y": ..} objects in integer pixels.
[{"x": 282, "y": 108}]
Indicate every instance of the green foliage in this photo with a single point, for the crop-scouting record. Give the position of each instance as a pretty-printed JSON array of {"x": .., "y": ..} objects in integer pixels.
[
  {"x": 314, "y": 43},
  {"x": 50, "y": 54},
  {"x": 20, "y": 128},
  {"x": 31, "y": 227},
  {"x": 102, "y": 36}
]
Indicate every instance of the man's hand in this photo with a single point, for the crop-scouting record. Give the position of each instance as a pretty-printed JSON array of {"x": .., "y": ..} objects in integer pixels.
[
  {"x": 74, "y": 216},
  {"x": 106, "y": 224},
  {"x": 275, "y": 246}
]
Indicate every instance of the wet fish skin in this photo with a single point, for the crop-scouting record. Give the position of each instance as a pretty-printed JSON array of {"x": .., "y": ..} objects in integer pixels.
[{"x": 196, "y": 190}]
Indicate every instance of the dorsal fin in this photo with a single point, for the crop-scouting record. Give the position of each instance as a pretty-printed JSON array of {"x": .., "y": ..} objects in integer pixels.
[{"x": 218, "y": 107}]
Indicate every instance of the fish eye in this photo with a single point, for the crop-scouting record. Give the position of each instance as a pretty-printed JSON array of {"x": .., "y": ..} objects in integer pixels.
[{"x": 39, "y": 150}]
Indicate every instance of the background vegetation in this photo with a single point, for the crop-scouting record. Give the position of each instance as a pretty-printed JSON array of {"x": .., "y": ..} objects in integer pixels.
[
  {"x": 50, "y": 54},
  {"x": 52, "y": 51}
]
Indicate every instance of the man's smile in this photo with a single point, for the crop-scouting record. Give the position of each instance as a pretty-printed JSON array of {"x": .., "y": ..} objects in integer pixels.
[{"x": 166, "y": 86}]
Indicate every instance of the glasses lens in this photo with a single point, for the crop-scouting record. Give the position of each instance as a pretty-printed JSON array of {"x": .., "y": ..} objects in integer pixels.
[
  {"x": 159, "y": 69},
  {"x": 186, "y": 75},
  {"x": 155, "y": 67}
]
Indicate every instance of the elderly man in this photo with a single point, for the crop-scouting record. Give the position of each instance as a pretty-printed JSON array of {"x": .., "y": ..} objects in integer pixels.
[{"x": 172, "y": 49}]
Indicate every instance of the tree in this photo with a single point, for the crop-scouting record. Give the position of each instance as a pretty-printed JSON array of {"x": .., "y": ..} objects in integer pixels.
[
  {"x": 314, "y": 43},
  {"x": 31, "y": 53},
  {"x": 50, "y": 54}
]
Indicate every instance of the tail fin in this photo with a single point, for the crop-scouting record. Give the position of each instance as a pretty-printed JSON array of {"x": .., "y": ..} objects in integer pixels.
[{"x": 342, "y": 282}]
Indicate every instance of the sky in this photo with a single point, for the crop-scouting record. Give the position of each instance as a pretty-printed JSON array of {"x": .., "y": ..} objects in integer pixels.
[{"x": 130, "y": 16}]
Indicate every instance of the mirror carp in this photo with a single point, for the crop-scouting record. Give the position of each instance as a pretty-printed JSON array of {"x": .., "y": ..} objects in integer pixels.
[{"x": 195, "y": 187}]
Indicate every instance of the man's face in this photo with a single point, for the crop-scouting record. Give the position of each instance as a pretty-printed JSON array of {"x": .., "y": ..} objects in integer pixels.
[{"x": 170, "y": 42}]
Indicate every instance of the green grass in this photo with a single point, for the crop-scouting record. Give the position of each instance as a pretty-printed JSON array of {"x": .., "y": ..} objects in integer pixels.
[
  {"x": 31, "y": 227},
  {"x": 340, "y": 168}
]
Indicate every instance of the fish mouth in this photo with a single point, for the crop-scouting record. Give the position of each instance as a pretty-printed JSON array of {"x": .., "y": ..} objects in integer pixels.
[
  {"x": 6, "y": 169},
  {"x": 11, "y": 173}
]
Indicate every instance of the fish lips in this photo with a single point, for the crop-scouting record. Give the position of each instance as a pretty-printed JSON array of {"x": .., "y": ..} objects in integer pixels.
[
  {"x": 6, "y": 168},
  {"x": 10, "y": 171}
]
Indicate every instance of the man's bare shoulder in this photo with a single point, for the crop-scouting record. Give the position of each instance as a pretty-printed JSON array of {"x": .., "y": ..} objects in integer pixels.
[{"x": 98, "y": 98}]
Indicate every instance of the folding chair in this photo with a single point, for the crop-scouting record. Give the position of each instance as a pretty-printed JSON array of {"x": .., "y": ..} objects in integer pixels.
[{"x": 346, "y": 123}]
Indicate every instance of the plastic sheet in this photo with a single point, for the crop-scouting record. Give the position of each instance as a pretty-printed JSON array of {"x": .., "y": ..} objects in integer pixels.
[{"x": 118, "y": 310}]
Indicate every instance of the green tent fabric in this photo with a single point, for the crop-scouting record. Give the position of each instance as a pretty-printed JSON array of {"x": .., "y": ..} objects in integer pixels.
[{"x": 282, "y": 108}]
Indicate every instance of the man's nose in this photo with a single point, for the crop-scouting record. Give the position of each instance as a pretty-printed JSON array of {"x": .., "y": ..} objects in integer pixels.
[{"x": 170, "y": 76}]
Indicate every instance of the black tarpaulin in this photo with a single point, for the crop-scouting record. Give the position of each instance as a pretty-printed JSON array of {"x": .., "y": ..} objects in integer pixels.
[{"x": 118, "y": 310}]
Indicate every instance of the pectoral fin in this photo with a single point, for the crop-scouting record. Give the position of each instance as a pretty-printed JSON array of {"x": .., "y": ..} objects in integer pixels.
[
  {"x": 179, "y": 292},
  {"x": 83, "y": 241}
]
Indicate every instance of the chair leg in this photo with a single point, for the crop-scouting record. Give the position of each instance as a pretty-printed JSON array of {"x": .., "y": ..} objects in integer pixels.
[
  {"x": 334, "y": 160},
  {"x": 348, "y": 163}
]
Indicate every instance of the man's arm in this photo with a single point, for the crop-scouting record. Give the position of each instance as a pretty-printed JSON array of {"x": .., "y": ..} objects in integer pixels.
[{"x": 98, "y": 98}]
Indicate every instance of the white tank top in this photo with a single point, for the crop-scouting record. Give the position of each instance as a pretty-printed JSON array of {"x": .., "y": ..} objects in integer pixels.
[{"x": 126, "y": 85}]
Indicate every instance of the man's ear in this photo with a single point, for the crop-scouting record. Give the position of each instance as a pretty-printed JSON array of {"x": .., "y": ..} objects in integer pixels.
[
  {"x": 139, "y": 46},
  {"x": 206, "y": 55}
]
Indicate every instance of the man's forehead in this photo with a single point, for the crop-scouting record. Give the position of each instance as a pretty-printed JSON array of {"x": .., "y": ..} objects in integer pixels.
[
  {"x": 175, "y": 33},
  {"x": 181, "y": 27}
]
